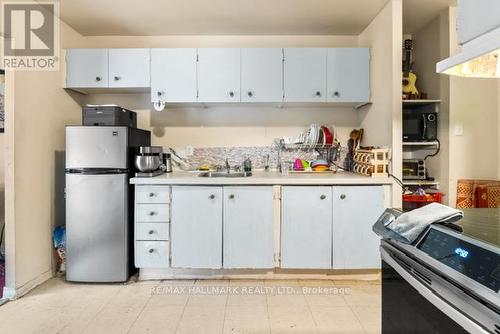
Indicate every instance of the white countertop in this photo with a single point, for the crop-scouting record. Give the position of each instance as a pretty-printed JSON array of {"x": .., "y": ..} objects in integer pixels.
[{"x": 262, "y": 178}]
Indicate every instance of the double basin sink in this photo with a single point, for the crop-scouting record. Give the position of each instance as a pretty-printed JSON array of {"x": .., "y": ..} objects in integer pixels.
[{"x": 225, "y": 174}]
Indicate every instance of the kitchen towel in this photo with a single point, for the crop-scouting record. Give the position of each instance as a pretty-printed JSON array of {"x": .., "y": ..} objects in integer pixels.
[{"x": 411, "y": 224}]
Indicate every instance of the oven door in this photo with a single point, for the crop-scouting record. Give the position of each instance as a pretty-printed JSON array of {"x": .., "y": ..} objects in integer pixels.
[
  {"x": 414, "y": 124},
  {"x": 410, "y": 170},
  {"x": 411, "y": 305}
]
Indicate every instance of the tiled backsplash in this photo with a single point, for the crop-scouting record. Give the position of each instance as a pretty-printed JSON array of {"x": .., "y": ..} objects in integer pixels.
[{"x": 236, "y": 155}]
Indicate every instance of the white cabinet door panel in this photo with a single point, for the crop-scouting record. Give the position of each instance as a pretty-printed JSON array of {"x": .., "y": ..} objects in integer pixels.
[
  {"x": 173, "y": 75},
  {"x": 355, "y": 210},
  {"x": 261, "y": 75},
  {"x": 304, "y": 74},
  {"x": 87, "y": 68},
  {"x": 306, "y": 227},
  {"x": 348, "y": 75},
  {"x": 129, "y": 68},
  {"x": 219, "y": 75},
  {"x": 196, "y": 227},
  {"x": 248, "y": 227}
]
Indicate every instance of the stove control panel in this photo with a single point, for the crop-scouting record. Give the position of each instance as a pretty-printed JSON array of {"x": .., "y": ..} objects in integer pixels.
[{"x": 476, "y": 262}]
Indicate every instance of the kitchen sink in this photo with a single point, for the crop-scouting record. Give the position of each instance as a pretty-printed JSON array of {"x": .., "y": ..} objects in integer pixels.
[{"x": 225, "y": 174}]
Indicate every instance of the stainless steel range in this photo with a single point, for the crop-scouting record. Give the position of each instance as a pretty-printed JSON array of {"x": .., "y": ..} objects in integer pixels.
[{"x": 448, "y": 281}]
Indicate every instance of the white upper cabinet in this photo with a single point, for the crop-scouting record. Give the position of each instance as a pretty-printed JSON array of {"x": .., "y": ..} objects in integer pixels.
[
  {"x": 219, "y": 75},
  {"x": 173, "y": 75},
  {"x": 261, "y": 75},
  {"x": 87, "y": 68},
  {"x": 129, "y": 68},
  {"x": 355, "y": 210},
  {"x": 348, "y": 75},
  {"x": 304, "y": 74}
]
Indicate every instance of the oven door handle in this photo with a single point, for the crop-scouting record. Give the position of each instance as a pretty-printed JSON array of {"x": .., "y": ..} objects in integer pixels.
[{"x": 424, "y": 122}]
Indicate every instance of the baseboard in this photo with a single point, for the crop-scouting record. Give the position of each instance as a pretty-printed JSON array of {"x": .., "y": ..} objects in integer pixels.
[
  {"x": 20, "y": 291},
  {"x": 176, "y": 273}
]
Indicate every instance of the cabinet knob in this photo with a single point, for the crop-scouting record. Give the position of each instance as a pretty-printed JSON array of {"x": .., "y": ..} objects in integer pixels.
[
  {"x": 231, "y": 196},
  {"x": 336, "y": 94},
  {"x": 117, "y": 78},
  {"x": 159, "y": 93},
  {"x": 98, "y": 79},
  {"x": 318, "y": 93},
  {"x": 151, "y": 194},
  {"x": 151, "y": 232},
  {"x": 211, "y": 196},
  {"x": 231, "y": 94},
  {"x": 322, "y": 197},
  {"x": 152, "y": 213},
  {"x": 250, "y": 94},
  {"x": 151, "y": 250},
  {"x": 342, "y": 196}
]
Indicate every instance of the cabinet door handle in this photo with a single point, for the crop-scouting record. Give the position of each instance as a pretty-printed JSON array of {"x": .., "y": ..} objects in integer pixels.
[
  {"x": 98, "y": 79},
  {"x": 152, "y": 213},
  {"x": 231, "y": 196},
  {"x": 151, "y": 250},
  {"x": 342, "y": 196},
  {"x": 211, "y": 196},
  {"x": 322, "y": 197},
  {"x": 151, "y": 232},
  {"x": 159, "y": 94},
  {"x": 336, "y": 93},
  {"x": 318, "y": 93},
  {"x": 151, "y": 194},
  {"x": 117, "y": 78},
  {"x": 250, "y": 94},
  {"x": 231, "y": 94}
]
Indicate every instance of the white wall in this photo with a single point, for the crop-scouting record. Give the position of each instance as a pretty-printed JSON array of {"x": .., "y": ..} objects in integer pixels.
[{"x": 384, "y": 118}]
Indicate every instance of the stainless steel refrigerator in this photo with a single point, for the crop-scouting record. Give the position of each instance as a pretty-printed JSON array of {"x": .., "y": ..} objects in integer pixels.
[{"x": 99, "y": 201}]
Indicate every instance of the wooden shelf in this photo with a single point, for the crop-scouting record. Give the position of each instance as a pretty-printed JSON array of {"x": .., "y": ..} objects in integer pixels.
[{"x": 420, "y": 143}]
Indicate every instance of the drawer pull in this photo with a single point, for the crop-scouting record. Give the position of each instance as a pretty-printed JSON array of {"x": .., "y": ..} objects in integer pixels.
[
  {"x": 322, "y": 197},
  {"x": 151, "y": 250},
  {"x": 151, "y": 194},
  {"x": 231, "y": 196},
  {"x": 152, "y": 213},
  {"x": 151, "y": 232},
  {"x": 342, "y": 196},
  {"x": 211, "y": 196}
]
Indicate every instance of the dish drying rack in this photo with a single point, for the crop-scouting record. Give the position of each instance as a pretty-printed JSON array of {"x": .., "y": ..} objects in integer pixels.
[{"x": 330, "y": 152}]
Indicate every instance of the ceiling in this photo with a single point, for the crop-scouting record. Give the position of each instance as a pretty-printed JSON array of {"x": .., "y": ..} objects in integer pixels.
[{"x": 236, "y": 17}]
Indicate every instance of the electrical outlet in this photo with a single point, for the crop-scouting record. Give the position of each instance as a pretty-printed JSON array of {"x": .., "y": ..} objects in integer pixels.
[
  {"x": 459, "y": 129},
  {"x": 189, "y": 150}
]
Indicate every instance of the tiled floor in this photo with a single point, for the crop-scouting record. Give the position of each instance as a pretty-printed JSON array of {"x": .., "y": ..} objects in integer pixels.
[{"x": 154, "y": 307}]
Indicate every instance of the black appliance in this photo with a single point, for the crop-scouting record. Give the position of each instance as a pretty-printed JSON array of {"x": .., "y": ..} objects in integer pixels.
[
  {"x": 414, "y": 169},
  {"x": 420, "y": 125},
  {"x": 108, "y": 116},
  {"x": 448, "y": 281}
]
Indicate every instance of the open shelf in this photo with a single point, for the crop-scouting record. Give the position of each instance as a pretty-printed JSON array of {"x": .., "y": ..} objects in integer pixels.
[
  {"x": 420, "y": 183},
  {"x": 420, "y": 143},
  {"x": 419, "y": 102}
]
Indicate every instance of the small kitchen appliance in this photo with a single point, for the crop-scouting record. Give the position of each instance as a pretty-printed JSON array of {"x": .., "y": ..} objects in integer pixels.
[
  {"x": 99, "y": 201},
  {"x": 414, "y": 169},
  {"x": 108, "y": 115},
  {"x": 149, "y": 161},
  {"x": 419, "y": 125}
]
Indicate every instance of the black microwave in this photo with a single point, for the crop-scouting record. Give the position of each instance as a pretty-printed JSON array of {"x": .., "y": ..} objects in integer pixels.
[{"x": 420, "y": 125}]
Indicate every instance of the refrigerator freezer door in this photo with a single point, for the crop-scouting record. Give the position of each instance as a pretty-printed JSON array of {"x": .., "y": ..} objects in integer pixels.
[
  {"x": 96, "y": 147},
  {"x": 96, "y": 227}
]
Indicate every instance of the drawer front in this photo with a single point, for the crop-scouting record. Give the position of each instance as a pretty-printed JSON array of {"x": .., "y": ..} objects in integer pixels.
[
  {"x": 152, "y": 194},
  {"x": 151, "y": 213},
  {"x": 152, "y": 254},
  {"x": 151, "y": 231}
]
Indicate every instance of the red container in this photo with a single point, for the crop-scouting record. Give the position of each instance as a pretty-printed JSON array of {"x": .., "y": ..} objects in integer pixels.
[{"x": 412, "y": 201}]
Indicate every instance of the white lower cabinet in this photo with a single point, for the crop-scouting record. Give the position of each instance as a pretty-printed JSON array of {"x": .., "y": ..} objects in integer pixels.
[
  {"x": 306, "y": 227},
  {"x": 248, "y": 227},
  {"x": 196, "y": 227},
  {"x": 355, "y": 210},
  {"x": 151, "y": 254}
]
